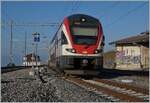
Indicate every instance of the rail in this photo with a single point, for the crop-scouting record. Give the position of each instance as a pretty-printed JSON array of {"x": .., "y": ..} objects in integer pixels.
[{"x": 114, "y": 92}]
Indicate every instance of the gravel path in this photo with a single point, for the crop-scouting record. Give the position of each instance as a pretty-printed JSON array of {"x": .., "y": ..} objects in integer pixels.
[{"x": 18, "y": 86}]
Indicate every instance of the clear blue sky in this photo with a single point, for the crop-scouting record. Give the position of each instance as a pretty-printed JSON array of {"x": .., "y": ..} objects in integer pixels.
[{"x": 119, "y": 20}]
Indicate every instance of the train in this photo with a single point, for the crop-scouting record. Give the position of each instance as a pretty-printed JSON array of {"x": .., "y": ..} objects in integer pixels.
[{"x": 77, "y": 47}]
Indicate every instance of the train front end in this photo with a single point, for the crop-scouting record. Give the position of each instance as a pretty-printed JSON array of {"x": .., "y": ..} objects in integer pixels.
[{"x": 84, "y": 50}]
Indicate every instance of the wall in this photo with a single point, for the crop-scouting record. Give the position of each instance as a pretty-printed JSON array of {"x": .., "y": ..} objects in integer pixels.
[
  {"x": 131, "y": 57},
  {"x": 109, "y": 59},
  {"x": 31, "y": 63},
  {"x": 145, "y": 57}
]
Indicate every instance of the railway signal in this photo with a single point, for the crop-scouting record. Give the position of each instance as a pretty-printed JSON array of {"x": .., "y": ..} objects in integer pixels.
[
  {"x": 36, "y": 71},
  {"x": 36, "y": 39}
]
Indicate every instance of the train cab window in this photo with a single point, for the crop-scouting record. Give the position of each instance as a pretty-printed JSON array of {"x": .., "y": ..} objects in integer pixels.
[{"x": 63, "y": 38}]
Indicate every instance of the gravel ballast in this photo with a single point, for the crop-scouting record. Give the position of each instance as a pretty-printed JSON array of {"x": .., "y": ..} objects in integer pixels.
[{"x": 18, "y": 86}]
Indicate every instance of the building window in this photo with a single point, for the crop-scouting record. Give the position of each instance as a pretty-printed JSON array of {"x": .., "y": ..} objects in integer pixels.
[
  {"x": 126, "y": 51},
  {"x": 132, "y": 52}
]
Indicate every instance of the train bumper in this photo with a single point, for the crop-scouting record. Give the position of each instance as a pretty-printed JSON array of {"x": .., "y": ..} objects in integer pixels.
[{"x": 81, "y": 61}]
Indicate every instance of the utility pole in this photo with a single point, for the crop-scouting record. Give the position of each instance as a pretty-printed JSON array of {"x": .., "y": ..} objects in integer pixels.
[
  {"x": 11, "y": 42},
  {"x": 25, "y": 45},
  {"x": 11, "y": 46},
  {"x": 36, "y": 54}
]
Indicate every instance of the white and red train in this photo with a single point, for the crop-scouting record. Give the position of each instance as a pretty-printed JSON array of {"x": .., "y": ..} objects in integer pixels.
[{"x": 77, "y": 46}]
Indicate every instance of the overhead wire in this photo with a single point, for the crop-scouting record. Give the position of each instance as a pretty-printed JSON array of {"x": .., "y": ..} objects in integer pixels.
[
  {"x": 74, "y": 6},
  {"x": 35, "y": 24},
  {"x": 111, "y": 7},
  {"x": 77, "y": 6},
  {"x": 126, "y": 14}
]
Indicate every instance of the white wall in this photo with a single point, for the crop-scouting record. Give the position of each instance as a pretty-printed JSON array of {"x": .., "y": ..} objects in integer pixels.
[{"x": 31, "y": 63}]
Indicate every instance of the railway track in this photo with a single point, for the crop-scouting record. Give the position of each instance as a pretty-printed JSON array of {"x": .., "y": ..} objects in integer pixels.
[
  {"x": 124, "y": 86},
  {"x": 113, "y": 90}
]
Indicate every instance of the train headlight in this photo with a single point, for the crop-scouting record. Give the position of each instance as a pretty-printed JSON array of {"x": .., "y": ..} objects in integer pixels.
[
  {"x": 83, "y": 19},
  {"x": 71, "y": 50},
  {"x": 98, "y": 51}
]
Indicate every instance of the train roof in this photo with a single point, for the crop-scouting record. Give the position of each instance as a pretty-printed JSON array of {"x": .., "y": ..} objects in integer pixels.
[
  {"x": 85, "y": 19},
  {"x": 55, "y": 34},
  {"x": 80, "y": 16}
]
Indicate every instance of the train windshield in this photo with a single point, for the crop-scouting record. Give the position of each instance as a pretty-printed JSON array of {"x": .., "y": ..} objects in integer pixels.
[
  {"x": 84, "y": 31},
  {"x": 84, "y": 35},
  {"x": 88, "y": 40}
]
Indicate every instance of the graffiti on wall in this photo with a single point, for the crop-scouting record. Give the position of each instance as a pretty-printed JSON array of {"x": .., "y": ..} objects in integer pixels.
[
  {"x": 130, "y": 59},
  {"x": 119, "y": 57},
  {"x": 136, "y": 59}
]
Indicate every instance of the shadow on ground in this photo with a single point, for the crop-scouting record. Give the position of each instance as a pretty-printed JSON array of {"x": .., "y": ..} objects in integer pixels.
[
  {"x": 7, "y": 81},
  {"x": 113, "y": 73}
]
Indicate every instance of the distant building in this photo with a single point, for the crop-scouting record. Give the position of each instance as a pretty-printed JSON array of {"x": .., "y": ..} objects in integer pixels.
[
  {"x": 30, "y": 60},
  {"x": 132, "y": 52}
]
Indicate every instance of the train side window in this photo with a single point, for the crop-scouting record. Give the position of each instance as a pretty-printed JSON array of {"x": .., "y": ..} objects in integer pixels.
[
  {"x": 63, "y": 38},
  {"x": 103, "y": 41},
  {"x": 57, "y": 42},
  {"x": 103, "y": 38}
]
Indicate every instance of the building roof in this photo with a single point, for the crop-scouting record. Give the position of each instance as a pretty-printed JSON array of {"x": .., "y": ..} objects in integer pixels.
[{"x": 141, "y": 38}]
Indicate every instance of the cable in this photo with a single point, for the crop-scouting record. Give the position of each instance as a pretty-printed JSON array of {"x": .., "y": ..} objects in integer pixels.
[
  {"x": 35, "y": 24},
  {"x": 74, "y": 5},
  {"x": 110, "y": 8},
  {"x": 77, "y": 6},
  {"x": 126, "y": 14}
]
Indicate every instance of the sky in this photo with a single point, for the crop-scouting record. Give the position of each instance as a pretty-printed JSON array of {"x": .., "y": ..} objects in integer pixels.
[{"x": 119, "y": 19}]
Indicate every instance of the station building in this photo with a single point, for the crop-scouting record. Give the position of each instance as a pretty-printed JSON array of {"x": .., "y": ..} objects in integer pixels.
[
  {"x": 30, "y": 60},
  {"x": 131, "y": 52}
]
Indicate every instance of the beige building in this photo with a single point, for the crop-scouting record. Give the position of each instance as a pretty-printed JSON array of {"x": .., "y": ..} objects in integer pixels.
[
  {"x": 30, "y": 60},
  {"x": 132, "y": 52}
]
